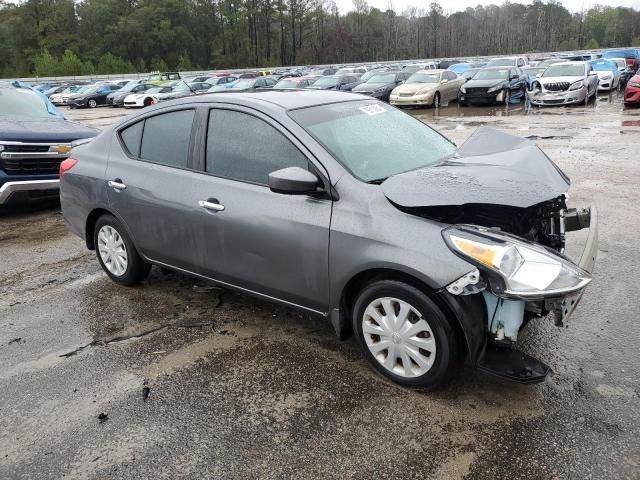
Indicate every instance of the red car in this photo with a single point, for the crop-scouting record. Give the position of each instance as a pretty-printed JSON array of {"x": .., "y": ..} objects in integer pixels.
[{"x": 632, "y": 91}]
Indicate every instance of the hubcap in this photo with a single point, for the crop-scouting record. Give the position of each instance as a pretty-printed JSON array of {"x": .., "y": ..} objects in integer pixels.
[
  {"x": 112, "y": 250},
  {"x": 398, "y": 337}
]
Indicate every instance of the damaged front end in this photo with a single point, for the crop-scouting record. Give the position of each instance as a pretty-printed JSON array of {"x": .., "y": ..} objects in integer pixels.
[
  {"x": 505, "y": 203},
  {"x": 520, "y": 280}
]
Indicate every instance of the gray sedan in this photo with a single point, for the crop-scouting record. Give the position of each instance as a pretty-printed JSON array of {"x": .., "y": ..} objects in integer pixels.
[{"x": 347, "y": 208}]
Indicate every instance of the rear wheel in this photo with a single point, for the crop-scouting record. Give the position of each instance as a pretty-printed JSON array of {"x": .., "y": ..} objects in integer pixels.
[
  {"x": 117, "y": 254},
  {"x": 404, "y": 335}
]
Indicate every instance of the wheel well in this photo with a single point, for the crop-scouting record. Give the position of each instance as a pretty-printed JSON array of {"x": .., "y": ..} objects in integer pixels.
[
  {"x": 91, "y": 225},
  {"x": 355, "y": 285}
]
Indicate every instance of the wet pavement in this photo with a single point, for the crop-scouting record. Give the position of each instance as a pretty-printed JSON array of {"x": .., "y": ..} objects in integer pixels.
[{"x": 178, "y": 379}]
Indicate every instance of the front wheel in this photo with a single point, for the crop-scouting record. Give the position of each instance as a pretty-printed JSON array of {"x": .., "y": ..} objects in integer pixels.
[
  {"x": 404, "y": 334},
  {"x": 117, "y": 254},
  {"x": 92, "y": 103}
]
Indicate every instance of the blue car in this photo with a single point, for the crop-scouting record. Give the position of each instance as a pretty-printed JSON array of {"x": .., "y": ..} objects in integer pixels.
[
  {"x": 34, "y": 140},
  {"x": 459, "y": 68},
  {"x": 631, "y": 55},
  {"x": 608, "y": 74}
]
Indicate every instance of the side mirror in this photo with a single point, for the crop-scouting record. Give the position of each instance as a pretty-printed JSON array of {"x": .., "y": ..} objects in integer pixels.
[{"x": 293, "y": 181}]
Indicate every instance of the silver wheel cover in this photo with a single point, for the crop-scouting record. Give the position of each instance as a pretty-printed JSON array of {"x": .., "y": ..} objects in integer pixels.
[
  {"x": 398, "y": 337},
  {"x": 112, "y": 251}
]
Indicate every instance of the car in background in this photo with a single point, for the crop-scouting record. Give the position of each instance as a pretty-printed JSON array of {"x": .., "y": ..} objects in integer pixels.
[
  {"x": 333, "y": 82},
  {"x": 364, "y": 78},
  {"x": 632, "y": 92},
  {"x": 517, "y": 61},
  {"x": 348, "y": 209},
  {"x": 323, "y": 72},
  {"x": 56, "y": 89},
  {"x": 382, "y": 84},
  {"x": 564, "y": 83},
  {"x": 608, "y": 74},
  {"x": 493, "y": 85},
  {"x": 459, "y": 68},
  {"x": 92, "y": 97},
  {"x": 631, "y": 55},
  {"x": 34, "y": 139},
  {"x": 295, "y": 82},
  {"x": 427, "y": 87},
  {"x": 163, "y": 77},
  {"x": 157, "y": 94},
  {"x": 469, "y": 73},
  {"x": 626, "y": 72},
  {"x": 416, "y": 67},
  {"x": 116, "y": 99},
  {"x": 62, "y": 97},
  {"x": 248, "y": 84},
  {"x": 532, "y": 72},
  {"x": 353, "y": 70},
  {"x": 200, "y": 87},
  {"x": 220, "y": 83}
]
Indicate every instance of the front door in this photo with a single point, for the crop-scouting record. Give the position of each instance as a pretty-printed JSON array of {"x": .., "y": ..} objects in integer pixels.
[{"x": 270, "y": 243}]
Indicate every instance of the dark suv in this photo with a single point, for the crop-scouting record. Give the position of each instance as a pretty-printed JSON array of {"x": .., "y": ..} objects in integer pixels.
[{"x": 33, "y": 142}]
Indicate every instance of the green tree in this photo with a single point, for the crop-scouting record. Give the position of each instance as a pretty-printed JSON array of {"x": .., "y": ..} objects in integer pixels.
[{"x": 592, "y": 44}]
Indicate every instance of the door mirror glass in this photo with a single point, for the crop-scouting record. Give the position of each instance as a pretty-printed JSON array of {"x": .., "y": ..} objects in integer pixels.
[{"x": 293, "y": 181}]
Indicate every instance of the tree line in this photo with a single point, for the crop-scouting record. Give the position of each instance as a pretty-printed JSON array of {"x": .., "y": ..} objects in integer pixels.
[{"x": 67, "y": 37}]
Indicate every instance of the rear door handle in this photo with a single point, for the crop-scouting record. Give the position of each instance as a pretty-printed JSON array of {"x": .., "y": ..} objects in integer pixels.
[
  {"x": 117, "y": 184},
  {"x": 211, "y": 205}
]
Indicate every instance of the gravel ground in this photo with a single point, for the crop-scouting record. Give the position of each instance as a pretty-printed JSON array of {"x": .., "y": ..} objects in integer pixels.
[{"x": 178, "y": 379}]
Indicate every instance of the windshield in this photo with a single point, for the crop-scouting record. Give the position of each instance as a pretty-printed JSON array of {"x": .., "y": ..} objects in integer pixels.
[
  {"x": 564, "y": 70},
  {"x": 129, "y": 86},
  {"x": 383, "y": 78},
  {"x": 603, "y": 66},
  {"x": 368, "y": 75},
  {"x": 245, "y": 83},
  {"x": 372, "y": 139},
  {"x": 499, "y": 74},
  {"x": 469, "y": 74},
  {"x": 501, "y": 62},
  {"x": 424, "y": 78},
  {"x": 286, "y": 84},
  {"x": 22, "y": 103},
  {"x": 325, "y": 82}
]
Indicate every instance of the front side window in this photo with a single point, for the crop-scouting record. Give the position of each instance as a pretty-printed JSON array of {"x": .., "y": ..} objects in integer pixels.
[
  {"x": 166, "y": 137},
  {"x": 373, "y": 140},
  {"x": 230, "y": 154}
]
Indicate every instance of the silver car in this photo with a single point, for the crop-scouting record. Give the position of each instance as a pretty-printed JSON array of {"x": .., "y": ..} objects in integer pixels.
[
  {"x": 347, "y": 208},
  {"x": 564, "y": 83}
]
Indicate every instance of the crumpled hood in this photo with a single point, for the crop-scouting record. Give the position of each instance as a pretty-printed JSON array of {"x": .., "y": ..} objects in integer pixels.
[
  {"x": 43, "y": 130},
  {"x": 483, "y": 83},
  {"x": 491, "y": 167}
]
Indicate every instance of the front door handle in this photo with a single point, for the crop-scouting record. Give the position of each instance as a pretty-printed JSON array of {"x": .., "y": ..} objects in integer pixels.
[
  {"x": 117, "y": 184},
  {"x": 211, "y": 205}
]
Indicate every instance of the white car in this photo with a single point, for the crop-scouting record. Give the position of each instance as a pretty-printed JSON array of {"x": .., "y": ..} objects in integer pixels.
[
  {"x": 517, "y": 61},
  {"x": 608, "y": 74},
  {"x": 564, "y": 83},
  {"x": 62, "y": 98},
  {"x": 144, "y": 99}
]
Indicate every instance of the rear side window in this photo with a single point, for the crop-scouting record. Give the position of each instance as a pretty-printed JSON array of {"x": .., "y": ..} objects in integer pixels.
[
  {"x": 231, "y": 154},
  {"x": 131, "y": 137},
  {"x": 161, "y": 139}
]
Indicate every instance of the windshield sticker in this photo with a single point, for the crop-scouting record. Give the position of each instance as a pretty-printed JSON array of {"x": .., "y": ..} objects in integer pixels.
[{"x": 373, "y": 109}]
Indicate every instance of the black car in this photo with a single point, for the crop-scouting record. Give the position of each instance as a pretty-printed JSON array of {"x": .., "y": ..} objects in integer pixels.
[
  {"x": 92, "y": 97},
  {"x": 34, "y": 140},
  {"x": 365, "y": 77},
  {"x": 381, "y": 84},
  {"x": 334, "y": 82},
  {"x": 494, "y": 85},
  {"x": 116, "y": 99}
]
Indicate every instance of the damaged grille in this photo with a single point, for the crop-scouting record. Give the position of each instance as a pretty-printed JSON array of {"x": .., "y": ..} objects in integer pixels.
[
  {"x": 476, "y": 91},
  {"x": 557, "y": 86}
]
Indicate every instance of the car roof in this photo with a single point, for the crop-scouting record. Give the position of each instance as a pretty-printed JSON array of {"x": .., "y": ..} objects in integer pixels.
[{"x": 286, "y": 100}]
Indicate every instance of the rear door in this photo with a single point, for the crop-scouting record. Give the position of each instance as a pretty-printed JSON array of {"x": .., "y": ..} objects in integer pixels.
[
  {"x": 151, "y": 185},
  {"x": 265, "y": 242}
]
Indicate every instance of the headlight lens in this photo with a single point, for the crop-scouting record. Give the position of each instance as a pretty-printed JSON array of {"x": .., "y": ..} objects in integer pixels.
[
  {"x": 576, "y": 85},
  {"x": 516, "y": 268}
]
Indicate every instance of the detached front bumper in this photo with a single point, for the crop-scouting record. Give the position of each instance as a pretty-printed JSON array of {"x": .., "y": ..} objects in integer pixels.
[{"x": 538, "y": 97}]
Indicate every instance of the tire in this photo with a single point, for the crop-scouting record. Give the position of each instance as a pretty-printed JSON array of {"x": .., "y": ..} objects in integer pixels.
[
  {"x": 418, "y": 368},
  {"x": 111, "y": 234},
  {"x": 436, "y": 100},
  {"x": 507, "y": 97},
  {"x": 91, "y": 103}
]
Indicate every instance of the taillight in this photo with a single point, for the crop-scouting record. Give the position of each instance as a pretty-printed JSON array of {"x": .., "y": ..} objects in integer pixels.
[{"x": 67, "y": 165}]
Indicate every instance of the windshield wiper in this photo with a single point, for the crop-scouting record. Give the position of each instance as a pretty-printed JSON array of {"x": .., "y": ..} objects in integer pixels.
[{"x": 377, "y": 181}]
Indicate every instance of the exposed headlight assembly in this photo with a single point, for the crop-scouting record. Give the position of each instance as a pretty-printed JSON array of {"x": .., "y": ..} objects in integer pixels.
[
  {"x": 516, "y": 268},
  {"x": 576, "y": 85},
  {"x": 495, "y": 89}
]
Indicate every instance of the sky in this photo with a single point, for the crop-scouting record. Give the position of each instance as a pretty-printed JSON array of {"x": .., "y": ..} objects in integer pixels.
[{"x": 452, "y": 6}]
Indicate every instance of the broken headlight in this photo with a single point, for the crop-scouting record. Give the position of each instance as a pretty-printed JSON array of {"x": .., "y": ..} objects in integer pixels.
[{"x": 515, "y": 267}]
